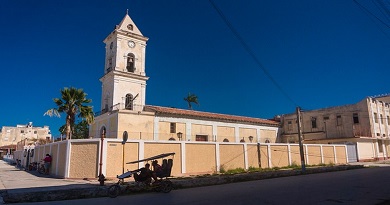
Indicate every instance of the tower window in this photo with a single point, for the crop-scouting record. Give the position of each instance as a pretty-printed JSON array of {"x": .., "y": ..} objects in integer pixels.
[
  {"x": 129, "y": 102},
  {"x": 105, "y": 108},
  {"x": 375, "y": 117},
  {"x": 130, "y": 62},
  {"x": 109, "y": 68}
]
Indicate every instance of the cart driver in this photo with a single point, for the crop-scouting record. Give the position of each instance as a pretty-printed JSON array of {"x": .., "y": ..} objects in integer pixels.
[{"x": 145, "y": 174}]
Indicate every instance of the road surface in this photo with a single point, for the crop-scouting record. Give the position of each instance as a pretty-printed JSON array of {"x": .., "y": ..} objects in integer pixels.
[{"x": 362, "y": 186}]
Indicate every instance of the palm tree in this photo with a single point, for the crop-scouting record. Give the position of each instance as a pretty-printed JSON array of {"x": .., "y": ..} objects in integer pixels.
[
  {"x": 73, "y": 103},
  {"x": 191, "y": 98}
]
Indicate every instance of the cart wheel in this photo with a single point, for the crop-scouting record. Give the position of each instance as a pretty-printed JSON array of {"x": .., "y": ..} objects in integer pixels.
[
  {"x": 113, "y": 190},
  {"x": 166, "y": 186}
]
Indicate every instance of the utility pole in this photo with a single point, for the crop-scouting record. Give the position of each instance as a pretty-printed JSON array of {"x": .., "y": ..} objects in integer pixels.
[
  {"x": 299, "y": 122},
  {"x": 101, "y": 177},
  {"x": 258, "y": 154}
]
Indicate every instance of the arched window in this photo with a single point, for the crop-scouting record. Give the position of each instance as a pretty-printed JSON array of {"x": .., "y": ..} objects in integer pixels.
[
  {"x": 267, "y": 141},
  {"x": 103, "y": 132},
  {"x": 172, "y": 139},
  {"x": 225, "y": 140},
  {"x": 129, "y": 102},
  {"x": 130, "y": 66}
]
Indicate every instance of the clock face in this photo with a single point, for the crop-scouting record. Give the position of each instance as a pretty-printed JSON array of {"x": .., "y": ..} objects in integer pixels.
[{"x": 131, "y": 44}]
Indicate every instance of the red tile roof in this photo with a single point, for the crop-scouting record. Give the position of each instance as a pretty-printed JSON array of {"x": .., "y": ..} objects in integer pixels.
[
  {"x": 208, "y": 115},
  {"x": 8, "y": 147}
]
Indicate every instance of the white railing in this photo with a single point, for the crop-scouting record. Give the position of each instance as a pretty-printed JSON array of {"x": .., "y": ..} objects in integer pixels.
[{"x": 119, "y": 106}]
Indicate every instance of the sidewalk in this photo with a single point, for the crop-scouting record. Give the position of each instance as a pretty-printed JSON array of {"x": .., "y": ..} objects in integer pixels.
[
  {"x": 381, "y": 163},
  {"x": 19, "y": 185}
]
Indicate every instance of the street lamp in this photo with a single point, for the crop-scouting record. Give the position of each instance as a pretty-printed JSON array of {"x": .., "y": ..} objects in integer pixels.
[
  {"x": 250, "y": 138},
  {"x": 179, "y": 136}
]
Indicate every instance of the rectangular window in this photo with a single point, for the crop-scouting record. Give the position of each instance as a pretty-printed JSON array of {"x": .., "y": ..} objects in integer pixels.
[
  {"x": 313, "y": 122},
  {"x": 338, "y": 120},
  {"x": 375, "y": 117},
  {"x": 381, "y": 118},
  {"x": 173, "y": 127},
  {"x": 326, "y": 117},
  {"x": 355, "y": 118},
  {"x": 289, "y": 125},
  {"x": 380, "y": 146},
  {"x": 21, "y": 131},
  {"x": 201, "y": 138}
]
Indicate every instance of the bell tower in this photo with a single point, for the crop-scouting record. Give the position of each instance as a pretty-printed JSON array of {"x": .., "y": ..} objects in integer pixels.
[{"x": 124, "y": 80}]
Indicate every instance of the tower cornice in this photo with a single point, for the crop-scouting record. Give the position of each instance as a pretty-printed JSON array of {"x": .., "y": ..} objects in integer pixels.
[
  {"x": 116, "y": 73},
  {"x": 127, "y": 34}
]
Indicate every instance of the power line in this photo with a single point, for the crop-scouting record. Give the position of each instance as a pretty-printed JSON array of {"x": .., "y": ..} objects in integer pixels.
[
  {"x": 370, "y": 13},
  {"x": 382, "y": 7},
  {"x": 365, "y": 9},
  {"x": 249, "y": 51}
]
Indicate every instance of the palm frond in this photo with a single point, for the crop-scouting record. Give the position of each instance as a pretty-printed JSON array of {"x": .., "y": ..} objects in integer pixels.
[{"x": 52, "y": 112}]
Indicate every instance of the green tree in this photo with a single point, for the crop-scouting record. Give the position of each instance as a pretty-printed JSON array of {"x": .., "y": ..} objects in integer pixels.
[
  {"x": 191, "y": 98},
  {"x": 79, "y": 131},
  {"x": 73, "y": 103}
]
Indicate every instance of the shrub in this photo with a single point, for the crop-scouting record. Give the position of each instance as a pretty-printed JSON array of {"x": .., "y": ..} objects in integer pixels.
[
  {"x": 253, "y": 169},
  {"x": 235, "y": 171},
  {"x": 222, "y": 169}
]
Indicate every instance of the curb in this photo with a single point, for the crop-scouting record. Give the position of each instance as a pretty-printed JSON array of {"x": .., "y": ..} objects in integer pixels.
[
  {"x": 225, "y": 179},
  {"x": 55, "y": 195}
]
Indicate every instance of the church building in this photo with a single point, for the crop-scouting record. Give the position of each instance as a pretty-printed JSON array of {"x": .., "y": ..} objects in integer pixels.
[{"x": 124, "y": 111}]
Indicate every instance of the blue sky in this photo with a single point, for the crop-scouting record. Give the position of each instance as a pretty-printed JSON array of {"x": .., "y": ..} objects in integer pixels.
[{"x": 321, "y": 53}]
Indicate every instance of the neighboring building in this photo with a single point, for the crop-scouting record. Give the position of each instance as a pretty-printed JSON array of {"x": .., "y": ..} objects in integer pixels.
[
  {"x": 365, "y": 124},
  {"x": 13, "y": 138},
  {"x": 29, "y": 133},
  {"x": 124, "y": 109}
]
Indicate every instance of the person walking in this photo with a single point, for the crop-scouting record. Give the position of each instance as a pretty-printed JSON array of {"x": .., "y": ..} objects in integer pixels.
[{"x": 47, "y": 162}]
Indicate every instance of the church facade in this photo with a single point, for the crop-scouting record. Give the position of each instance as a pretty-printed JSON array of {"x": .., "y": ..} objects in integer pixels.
[{"x": 124, "y": 112}]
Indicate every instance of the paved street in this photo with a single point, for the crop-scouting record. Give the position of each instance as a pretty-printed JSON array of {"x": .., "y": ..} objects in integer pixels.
[{"x": 360, "y": 186}]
